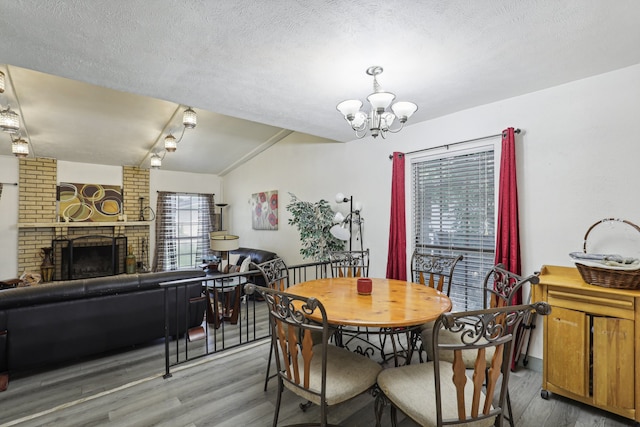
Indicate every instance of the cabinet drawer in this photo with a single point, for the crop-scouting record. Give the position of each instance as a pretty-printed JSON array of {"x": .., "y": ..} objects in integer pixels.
[{"x": 601, "y": 304}]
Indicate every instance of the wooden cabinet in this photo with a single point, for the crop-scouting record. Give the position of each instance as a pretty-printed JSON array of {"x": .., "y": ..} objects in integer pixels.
[{"x": 591, "y": 342}]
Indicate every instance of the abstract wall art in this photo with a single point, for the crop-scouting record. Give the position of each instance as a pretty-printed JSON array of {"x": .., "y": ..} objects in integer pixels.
[{"x": 264, "y": 210}]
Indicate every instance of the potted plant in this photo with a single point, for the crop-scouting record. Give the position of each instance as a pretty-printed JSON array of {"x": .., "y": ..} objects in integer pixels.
[{"x": 313, "y": 221}]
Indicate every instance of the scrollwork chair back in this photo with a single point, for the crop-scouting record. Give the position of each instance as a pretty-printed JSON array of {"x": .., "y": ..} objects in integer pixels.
[{"x": 349, "y": 263}]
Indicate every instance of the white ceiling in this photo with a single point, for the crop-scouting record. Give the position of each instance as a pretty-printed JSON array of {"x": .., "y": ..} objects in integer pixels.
[{"x": 254, "y": 71}]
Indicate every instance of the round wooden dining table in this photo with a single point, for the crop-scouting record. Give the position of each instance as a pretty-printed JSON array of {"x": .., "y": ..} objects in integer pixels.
[{"x": 391, "y": 304}]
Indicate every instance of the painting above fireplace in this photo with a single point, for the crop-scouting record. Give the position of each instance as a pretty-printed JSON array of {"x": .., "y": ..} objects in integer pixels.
[{"x": 89, "y": 202}]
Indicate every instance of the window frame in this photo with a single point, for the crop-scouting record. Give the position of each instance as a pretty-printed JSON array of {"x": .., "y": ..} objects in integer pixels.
[{"x": 444, "y": 152}]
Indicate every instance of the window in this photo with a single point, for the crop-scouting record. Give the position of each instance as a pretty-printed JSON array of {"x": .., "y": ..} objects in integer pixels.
[
  {"x": 182, "y": 229},
  {"x": 454, "y": 213}
]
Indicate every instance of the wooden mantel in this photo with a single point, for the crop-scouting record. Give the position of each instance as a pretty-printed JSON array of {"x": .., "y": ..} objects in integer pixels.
[{"x": 82, "y": 224}]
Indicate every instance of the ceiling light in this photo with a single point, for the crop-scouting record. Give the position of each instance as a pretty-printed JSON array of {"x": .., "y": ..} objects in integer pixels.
[
  {"x": 170, "y": 143},
  {"x": 1, "y": 82},
  {"x": 9, "y": 121},
  {"x": 20, "y": 148},
  {"x": 156, "y": 161},
  {"x": 380, "y": 119},
  {"x": 189, "y": 118},
  {"x": 189, "y": 121}
]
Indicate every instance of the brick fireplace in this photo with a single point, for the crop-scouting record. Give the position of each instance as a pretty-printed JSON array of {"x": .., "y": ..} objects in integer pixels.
[{"x": 39, "y": 225}]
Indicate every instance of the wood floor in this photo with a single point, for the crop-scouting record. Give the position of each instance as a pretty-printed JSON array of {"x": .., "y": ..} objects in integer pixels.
[{"x": 226, "y": 389}]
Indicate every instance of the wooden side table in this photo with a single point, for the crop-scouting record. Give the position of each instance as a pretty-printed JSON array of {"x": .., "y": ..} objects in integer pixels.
[{"x": 223, "y": 300}]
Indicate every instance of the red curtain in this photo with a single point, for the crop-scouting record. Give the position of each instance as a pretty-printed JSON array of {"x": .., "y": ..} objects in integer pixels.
[
  {"x": 507, "y": 235},
  {"x": 397, "y": 255}
]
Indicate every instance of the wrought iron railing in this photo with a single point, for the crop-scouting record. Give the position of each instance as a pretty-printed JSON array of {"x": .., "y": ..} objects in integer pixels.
[{"x": 231, "y": 318}]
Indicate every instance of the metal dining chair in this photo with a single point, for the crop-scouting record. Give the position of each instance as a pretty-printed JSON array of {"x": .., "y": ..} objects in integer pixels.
[
  {"x": 435, "y": 271},
  {"x": 321, "y": 373},
  {"x": 276, "y": 276},
  {"x": 499, "y": 289},
  {"x": 440, "y": 392},
  {"x": 349, "y": 263}
]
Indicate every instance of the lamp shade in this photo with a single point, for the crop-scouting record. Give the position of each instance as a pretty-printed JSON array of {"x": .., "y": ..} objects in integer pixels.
[
  {"x": 404, "y": 110},
  {"x": 170, "y": 143},
  {"x": 20, "y": 148},
  {"x": 156, "y": 161},
  {"x": 189, "y": 118},
  {"x": 339, "y": 232},
  {"x": 349, "y": 108},
  {"x": 9, "y": 121},
  {"x": 224, "y": 243},
  {"x": 380, "y": 100}
]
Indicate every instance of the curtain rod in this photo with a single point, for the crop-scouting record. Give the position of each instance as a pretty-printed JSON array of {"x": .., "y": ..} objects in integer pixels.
[
  {"x": 9, "y": 183},
  {"x": 186, "y": 192},
  {"x": 455, "y": 143}
]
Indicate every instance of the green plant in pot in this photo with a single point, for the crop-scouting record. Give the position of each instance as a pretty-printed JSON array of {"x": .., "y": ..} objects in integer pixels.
[{"x": 313, "y": 221}]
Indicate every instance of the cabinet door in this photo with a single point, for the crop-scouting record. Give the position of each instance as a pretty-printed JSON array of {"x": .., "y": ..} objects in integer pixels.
[
  {"x": 568, "y": 350},
  {"x": 613, "y": 362}
]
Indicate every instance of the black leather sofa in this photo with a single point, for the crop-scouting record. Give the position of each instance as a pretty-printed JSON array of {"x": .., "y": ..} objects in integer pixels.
[
  {"x": 61, "y": 321},
  {"x": 258, "y": 256}
]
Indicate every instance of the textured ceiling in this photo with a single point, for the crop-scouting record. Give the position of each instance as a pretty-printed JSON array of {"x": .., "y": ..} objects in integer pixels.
[{"x": 284, "y": 65}]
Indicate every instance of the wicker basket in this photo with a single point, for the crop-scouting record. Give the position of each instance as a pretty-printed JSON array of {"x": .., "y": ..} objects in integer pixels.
[{"x": 608, "y": 277}]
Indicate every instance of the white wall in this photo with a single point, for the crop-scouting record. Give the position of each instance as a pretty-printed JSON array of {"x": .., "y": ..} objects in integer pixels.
[
  {"x": 9, "y": 218},
  {"x": 577, "y": 163}
]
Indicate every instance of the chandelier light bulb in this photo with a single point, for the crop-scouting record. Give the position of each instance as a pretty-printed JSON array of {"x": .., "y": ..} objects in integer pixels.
[
  {"x": 340, "y": 198},
  {"x": 1, "y": 82}
]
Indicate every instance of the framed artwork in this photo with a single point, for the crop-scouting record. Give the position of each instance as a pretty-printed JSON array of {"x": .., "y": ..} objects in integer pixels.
[
  {"x": 264, "y": 210},
  {"x": 89, "y": 202}
]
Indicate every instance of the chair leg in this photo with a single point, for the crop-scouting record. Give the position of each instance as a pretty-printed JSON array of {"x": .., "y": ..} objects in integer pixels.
[
  {"x": 509, "y": 417},
  {"x": 277, "y": 411},
  {"x": 266, "y": 378},
  {"x": 378, "y": 408},
  {"x": 394, "y": 416}
]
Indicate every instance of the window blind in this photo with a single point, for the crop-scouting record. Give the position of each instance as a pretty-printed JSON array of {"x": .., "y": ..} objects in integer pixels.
[{"x": 454, "y": 213}]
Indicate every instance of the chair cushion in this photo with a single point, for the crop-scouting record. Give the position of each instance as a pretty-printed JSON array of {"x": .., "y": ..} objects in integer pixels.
[
  {"x": 411, "y": 389},
  {"x": 348, "y": 375}
]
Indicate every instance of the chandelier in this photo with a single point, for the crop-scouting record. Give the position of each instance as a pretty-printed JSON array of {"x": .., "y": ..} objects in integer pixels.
[{"x": 380, "y": 120}]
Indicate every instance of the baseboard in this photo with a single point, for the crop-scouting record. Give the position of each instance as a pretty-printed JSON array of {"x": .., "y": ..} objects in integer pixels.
[{"x": 533, "y": 364}]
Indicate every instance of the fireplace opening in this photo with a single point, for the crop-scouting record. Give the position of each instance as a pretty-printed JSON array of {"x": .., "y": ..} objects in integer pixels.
[{"x": 89, "y": 256}]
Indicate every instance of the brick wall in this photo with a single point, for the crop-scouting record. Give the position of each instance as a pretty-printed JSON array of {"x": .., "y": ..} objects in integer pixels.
[{"x": 37, "y": 204}]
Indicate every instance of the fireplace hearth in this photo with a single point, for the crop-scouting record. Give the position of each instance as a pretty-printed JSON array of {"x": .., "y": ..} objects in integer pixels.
[{"x": 89, "y": 256}]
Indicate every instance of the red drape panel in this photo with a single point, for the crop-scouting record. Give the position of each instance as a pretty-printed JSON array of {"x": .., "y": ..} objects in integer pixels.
[
  {"x": 507, "y": 234},
  {"x": 397, "y": 255}
]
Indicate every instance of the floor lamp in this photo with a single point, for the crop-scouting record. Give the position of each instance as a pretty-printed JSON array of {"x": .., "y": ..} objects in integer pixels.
[{"x": 343, "y": 228}]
